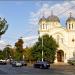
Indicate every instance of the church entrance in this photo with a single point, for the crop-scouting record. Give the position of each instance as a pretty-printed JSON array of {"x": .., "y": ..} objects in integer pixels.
[{"x": 60, "y": 56}]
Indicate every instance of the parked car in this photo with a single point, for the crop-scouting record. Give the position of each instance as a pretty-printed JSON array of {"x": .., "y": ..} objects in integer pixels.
[
  {"x": 42, "y": 64},
  {"x": 71, "y": 61},
  {"x": 23, "y": 63},
  {"x": 3, "y": 62},
  {"x": 16, "y": 64}
]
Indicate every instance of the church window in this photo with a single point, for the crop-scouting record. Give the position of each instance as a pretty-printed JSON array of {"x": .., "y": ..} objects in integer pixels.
[
  {"x": 72, "y": 26},
  {"x": 69, "y": 26},
  {"x": 43, "y": 26}
]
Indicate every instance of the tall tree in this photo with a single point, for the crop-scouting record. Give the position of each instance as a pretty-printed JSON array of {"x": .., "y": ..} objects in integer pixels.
[
  {"x": 3, "y": 26},
  {"x": 19, "y": 48},
  {"x": 1, "y": 55},
  {"x": 27, "y": 54},
  {"x": 49, "y": 48},
  {"x": 7, "y": 52}
]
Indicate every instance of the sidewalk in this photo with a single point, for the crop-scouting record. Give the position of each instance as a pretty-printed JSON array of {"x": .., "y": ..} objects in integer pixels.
[{"x": 60, "y": 63}]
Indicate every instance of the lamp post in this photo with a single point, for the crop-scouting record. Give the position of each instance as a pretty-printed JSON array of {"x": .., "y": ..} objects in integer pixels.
[
  {"x": 42, "y": 48},
  {"x": 23, "y": 57}
]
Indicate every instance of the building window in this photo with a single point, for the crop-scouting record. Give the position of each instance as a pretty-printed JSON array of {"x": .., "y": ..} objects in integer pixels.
[
  {"x": 43, "y": 26},
  {"x": 46, "y": 26},
  {"x": 69, "y": 26},
  {"x": 72, "y": 26}
]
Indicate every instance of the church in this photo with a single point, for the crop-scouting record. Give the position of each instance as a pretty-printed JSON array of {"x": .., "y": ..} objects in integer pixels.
[{"x": 64, "y": 36}]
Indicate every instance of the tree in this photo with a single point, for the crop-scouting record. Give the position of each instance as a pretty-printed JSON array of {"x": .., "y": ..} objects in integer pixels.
[
  {"x": 49, "y": 48},
  {"x": 7, "y": 52},
  {"x": 19, "y": 45},
  {"x": 3, "y": 26},
  {"x": 17, "y": 55},
  {"x": 1, "y": 55},
  {"x": 19, "y": 49},
  {"x": 28, "y": 55}
]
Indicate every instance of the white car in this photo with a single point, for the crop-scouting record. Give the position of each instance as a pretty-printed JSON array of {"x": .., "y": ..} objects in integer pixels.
[
  {"x": 72, "y": 61},
  {"x": 16, "y": 64},
  {"x": 3, "y": 62}
]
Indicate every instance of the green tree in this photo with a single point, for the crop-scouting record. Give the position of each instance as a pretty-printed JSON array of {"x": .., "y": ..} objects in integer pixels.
[
  {"x": 3, "y": 26},
  {"x": 19, "y": 49},
  {"x": 27, "y": 53},
  {"x": 17, "y": 55},
  {"x": 19, "y": 45},
  {"x": 7, "y": 52},
  {"x": 1, "y": 55},
  {"x": 49, "y": 48}
]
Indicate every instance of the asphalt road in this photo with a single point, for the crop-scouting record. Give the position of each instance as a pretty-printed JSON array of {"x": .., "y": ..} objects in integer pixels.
[{"x": 54, "y": 70}]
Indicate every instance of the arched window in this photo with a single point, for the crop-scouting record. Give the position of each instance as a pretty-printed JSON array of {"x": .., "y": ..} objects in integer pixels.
[
  {"x": 72, "y": 26},
  {"x": 69, "y": 26},
  {"x": 46, "y": 26},
  {"x": 43, "y": 26}
]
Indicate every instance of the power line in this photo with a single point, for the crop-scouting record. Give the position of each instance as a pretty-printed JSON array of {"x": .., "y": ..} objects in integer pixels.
[{"x": 66, "y": 10}]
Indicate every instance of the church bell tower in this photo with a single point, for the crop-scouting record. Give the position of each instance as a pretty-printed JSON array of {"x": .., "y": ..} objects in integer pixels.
[{"x": 70, "y": 22}]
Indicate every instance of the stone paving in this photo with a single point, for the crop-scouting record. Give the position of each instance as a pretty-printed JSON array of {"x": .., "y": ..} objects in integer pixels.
[
  {"x": 64, "y": 68},
  {"x": 55, "y": 69}
]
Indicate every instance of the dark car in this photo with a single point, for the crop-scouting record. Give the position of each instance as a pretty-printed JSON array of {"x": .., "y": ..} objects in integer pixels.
[
  {"x": 42, "y": 65},
  {"x": 23, "y": 63},
  {"x": 16, "y": 64}
]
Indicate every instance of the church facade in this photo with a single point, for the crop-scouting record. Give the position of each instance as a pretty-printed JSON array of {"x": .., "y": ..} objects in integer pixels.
[{"x": 64, "y": 36}]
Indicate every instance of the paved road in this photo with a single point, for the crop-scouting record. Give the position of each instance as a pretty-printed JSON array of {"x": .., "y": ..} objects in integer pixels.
[{"x": 54, "y": 70}]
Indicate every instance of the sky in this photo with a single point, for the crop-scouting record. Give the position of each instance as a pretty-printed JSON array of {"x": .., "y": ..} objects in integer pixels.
[{"x": 23, "y": 16}]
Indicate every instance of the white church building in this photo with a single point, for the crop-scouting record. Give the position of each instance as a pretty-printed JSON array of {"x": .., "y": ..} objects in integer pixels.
[{"x": 64, "y": 36}]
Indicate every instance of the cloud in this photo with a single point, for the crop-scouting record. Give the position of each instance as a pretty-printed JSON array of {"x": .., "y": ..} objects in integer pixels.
[
  {"x": 2, "y": 44},
  {"x": 30, "y": 37},
  {"x": 30, "y": 40},
  {"x": 60, "y": 9}
]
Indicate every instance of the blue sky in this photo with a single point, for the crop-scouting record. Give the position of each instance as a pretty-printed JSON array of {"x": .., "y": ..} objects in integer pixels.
[
  {"x": 22, "y": 16},
  {"x": 17, "y": 13}
]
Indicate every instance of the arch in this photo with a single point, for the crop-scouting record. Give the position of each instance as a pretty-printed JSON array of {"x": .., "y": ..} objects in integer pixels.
[{"x": 60, "y": 56}]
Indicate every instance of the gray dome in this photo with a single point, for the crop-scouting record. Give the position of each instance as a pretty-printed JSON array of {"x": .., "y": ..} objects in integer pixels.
[
  {"x": 70, "y": 19},
  {"x": 42, "y": 19},
  {"x": 53, "y": 18}
]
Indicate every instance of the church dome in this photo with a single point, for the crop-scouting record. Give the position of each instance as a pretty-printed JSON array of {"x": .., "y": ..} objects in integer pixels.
[
  {"x": 42, "y": 19},
  {"x": 70, "y": 19},
  {"x": 53, "y": 18}
]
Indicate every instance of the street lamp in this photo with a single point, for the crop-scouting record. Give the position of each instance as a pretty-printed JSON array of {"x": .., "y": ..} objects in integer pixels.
[
  {"x": 23, "y": 57},
  {"x": 42, "y": 48}
]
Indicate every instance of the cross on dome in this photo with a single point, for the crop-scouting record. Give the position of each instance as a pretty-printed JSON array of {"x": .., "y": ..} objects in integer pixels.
[
  {"x": 70, "y": 14},
  {"x": 51, "y": 12}
]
